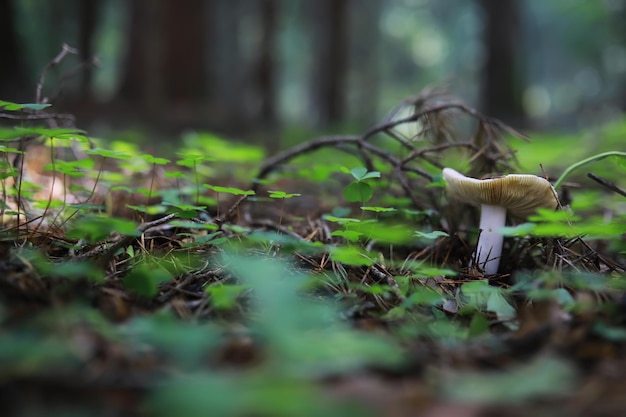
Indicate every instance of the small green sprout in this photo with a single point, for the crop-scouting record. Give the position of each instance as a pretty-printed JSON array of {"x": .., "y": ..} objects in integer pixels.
[{"x": 360, "y": 190}]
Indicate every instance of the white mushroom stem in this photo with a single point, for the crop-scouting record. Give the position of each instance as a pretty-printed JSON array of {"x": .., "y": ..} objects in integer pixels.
[{"x": 489, "y": 246}]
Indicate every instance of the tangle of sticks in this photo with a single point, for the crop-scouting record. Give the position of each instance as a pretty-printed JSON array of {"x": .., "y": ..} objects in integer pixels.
[{"x": 432, "y": 113}]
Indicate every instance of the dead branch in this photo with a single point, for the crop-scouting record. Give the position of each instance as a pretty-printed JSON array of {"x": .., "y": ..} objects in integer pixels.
[
  {"x": 65, "y": 49},
  {"x": 607, "y": 184},
  {"x": 427, "y": 110},
  {"x": 219, "y": 221}
]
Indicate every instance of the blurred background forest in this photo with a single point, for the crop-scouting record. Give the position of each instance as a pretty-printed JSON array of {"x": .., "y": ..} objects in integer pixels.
[{"x": 262, "y": 68}]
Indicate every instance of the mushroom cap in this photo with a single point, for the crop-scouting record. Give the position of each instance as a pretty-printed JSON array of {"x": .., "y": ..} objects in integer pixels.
[{"x": 522, "y": 195}]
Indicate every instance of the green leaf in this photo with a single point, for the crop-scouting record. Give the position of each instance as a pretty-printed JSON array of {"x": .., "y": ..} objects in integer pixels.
[
  {"x": 544, "y": 377},
  {"x": 358, "y": 173},
  {"x": 282, "y": 194},
  {"x": 57, "y": 133},
  {"x": 349, "y": 235},
  {"x": 351, "y": 255},
  {"x": 423, "y": 269},
  {"x": 186, "y": 343},
  {"x": 437, "y": 181},
  {"x": 561, "y": 295},
  {"x": 371, "y": 174},
  {"x": 286, "y": 242},
  {"x": 476, "y": 293},
  {"x": 221, "y": 149},
  {"x": 224, "y": 297},
  {"x": 154, "y": 160},
  {"x": 424, "y": 272},
  {"x": 73, "y": 169},
  {"x": 72, "y": 270},
  {"x": 191, "y": 161},
  {"x": 520, "y": 230},
  {"x": 7, "y": 105},
  {"x": 6, "y": 149},
  {"x": 144, "y": 280},
  {"x": 379, "y": 209},
  {"x": 151, "y": 210},
  {"x": 358, "y": 192},
  {"x": 340, "y": 220},
  {"x": 185, "y": 224},
  {"x": 228, "y": 190},
  {"x": 86, "y": 207},
  {"x": 361, "y": 173},
  {"x": 611, "y": 333},
  {"x": 79, "y": 270},
  {"x": 424, "y": 296},
  {"x": 106, "y": 153},
  {"x": 479, "y": 325},
  {"x": 382, "y": 232},
  {"x": 292, "y": 324},
  {"x": 184, "y": 211},
  {"x": 262, "y": 394},
  {"x": 175, "y": 174},
  {"x": 497, "y": 304},
  {"x": 94, "y": 228}
]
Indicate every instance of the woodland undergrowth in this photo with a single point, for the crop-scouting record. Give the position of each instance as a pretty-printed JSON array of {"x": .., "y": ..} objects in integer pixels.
[{"x": 331, "y": 278}]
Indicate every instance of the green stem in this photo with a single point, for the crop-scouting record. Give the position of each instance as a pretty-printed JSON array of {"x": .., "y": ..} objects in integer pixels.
[{"x": 586, "y": 161}]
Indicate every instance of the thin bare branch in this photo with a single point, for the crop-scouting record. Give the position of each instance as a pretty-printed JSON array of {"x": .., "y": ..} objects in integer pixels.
[{"x": 65, "y": 49}]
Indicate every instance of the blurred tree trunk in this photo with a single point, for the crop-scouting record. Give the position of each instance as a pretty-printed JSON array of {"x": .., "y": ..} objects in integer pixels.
[
  {"x": 12, "y": 80},
  {"x": 330, "y": 58},
  {"x": 619, "y": 29},
  {"x": 502, "y": 80},
  {"x": 266, "y": 70},
  {"x": 184, "y": 63},
  {"x": 226, "y": 72},
  {"x": 141, "y": 79},
  {"x": 88, "y": 19},
  {"x": 165, "y": 62},
  {"x": 365, "y": 50}
]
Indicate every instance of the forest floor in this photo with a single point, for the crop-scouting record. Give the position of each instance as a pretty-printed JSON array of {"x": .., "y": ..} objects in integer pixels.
[{"x": 306, "y": 301}]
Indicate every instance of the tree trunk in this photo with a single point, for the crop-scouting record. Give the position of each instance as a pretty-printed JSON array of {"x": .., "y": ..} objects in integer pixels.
[
  {"x": 165, "y": 66},
  {"x": 88, "y": 18},
  {"x": 184, "y": 63},
  {"x": 330, "y": 31},
  {"x": 502, "y": 81},
  {"x": 12, "y": 80},
  {"x": 266, "y": 71},
  {"x": 618, "y": 19},
  {"x": 226, "y": 72},
  {"x": 141, "y": 80},
  {"x": 365, "y": 60}
]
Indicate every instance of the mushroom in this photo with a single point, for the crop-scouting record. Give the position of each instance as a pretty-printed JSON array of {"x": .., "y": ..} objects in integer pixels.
[{"x": 521, "y": 195}]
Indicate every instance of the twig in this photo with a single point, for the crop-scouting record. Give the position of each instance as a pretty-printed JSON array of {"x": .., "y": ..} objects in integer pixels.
[
  {"x": 607, "y": 184},
  {"x": 65, "y": 49},
  {"x": 231, "y": 212},
  {"x": 419, "y": 153},
  {"x": 72, "y": 73},
  {"x": 271, "y": 163},
  {"x": 423, "y": 111},
  {"x": 438, "y": 108},
  {"x": 380, "y": 273},
  {"x": 108, "y": 253},
  {"x": 384, "y": 127}
]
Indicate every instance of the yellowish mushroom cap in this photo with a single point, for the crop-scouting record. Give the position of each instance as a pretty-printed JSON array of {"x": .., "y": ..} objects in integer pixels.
[{"x": 522, "y": 195}]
